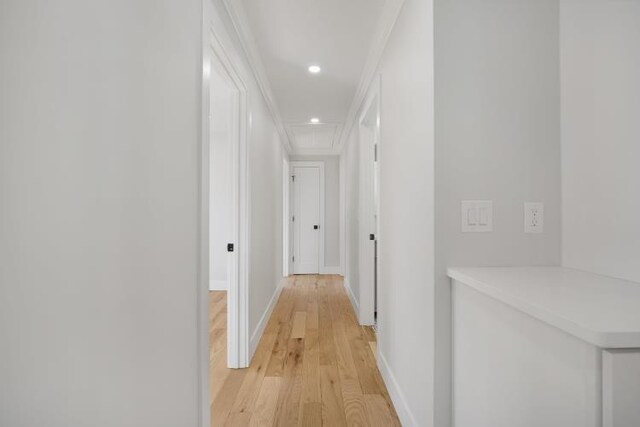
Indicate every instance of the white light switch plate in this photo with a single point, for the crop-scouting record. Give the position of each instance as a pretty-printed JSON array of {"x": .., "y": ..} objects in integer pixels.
[
  {"x": 477, "y": 216},
  {"x": 533, "y": 217}
]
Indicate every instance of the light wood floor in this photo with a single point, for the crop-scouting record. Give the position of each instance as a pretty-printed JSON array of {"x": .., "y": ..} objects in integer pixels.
[{"x": 315, "y": 366}]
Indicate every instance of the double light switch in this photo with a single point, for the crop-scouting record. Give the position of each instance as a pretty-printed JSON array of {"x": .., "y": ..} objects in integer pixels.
[{"x": 477, "y": 216}]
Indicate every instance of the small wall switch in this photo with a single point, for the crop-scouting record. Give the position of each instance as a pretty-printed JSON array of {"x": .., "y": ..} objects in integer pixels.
[
  {"x": 477, "y": 216},
  {"x": 533, "y": 217},
  {"x": 484, "y": 216},
  {"x": 471, "y": 217}
]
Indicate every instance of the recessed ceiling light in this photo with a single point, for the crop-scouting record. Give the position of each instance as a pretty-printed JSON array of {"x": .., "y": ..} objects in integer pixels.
[
  {"x": 315, "y": 120},
  {"x": 314, "y": 69}
]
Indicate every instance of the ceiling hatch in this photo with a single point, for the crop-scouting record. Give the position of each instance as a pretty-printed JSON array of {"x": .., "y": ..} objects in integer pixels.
[{"x": 313, "y": 136}]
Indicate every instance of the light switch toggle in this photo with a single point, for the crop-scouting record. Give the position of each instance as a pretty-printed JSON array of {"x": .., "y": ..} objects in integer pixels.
[
  {"x": 471, "y": 217},
  {"x": 484, "y": 216}
]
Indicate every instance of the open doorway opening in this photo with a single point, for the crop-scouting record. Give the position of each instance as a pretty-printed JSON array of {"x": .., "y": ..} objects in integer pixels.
[
  {"x": 224, "y": 214},
  {"x": 222, "y": 134},
  {"x": 369, "y": 133}
]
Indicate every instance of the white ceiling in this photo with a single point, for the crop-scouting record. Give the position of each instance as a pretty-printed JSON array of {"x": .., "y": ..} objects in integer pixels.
[{"x": 291, "y": 35}]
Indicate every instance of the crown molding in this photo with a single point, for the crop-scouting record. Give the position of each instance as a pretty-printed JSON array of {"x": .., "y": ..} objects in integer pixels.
[
  {"x": 237, "y": 14},
  {"x": 388, "y": 17},
  {"x": 387, "y": 21}
]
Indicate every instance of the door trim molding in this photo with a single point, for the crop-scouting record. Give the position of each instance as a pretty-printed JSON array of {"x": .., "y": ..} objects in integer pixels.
[
  {"x": 366, "y": 312},
  {"x": 342, "y": 206},
  {"x": 216, "y": 43},
  {"x": 320, "y": 165},
  {"x": 237, "y": 295},
  {"x": 286, "y": 217}
]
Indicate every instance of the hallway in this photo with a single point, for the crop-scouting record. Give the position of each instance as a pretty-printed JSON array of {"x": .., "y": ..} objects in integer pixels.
[
  {"x": 203, "y": 202},
  {"x": 314, "y": 364}
]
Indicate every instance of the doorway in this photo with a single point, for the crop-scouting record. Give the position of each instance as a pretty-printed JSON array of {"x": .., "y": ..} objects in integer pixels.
[
  {"x": 307, "y": 217},
  {"x": 369, "y": 212},
  {"x": 224, "y": 195},
  {"x": 223, "y": 123}
]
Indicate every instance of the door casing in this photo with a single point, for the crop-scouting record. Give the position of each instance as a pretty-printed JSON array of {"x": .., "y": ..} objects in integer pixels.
[
  {"x": 214, "y": 42},
  {"x": 369, "y": 215}
]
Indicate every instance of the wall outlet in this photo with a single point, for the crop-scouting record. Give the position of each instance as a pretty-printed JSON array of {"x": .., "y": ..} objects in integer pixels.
[
  {"x": 533, "y": 217},
  {"x": 477, "y": 216}
]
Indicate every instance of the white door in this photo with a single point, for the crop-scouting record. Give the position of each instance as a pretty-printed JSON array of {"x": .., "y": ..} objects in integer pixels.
[{"x": 306, "y": 220}]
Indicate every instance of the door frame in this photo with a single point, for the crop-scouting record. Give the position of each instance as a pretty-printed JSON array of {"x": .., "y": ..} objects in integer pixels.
[
  {"x": 308, "y": 164},
  {"x": 366, "y": 315},
  {"x": 215, "y": 44},
  {"x": 286, "y": 217}
]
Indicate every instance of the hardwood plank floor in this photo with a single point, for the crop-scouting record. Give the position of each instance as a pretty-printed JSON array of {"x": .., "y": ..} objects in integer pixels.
[{"x": 314, "y": 366}]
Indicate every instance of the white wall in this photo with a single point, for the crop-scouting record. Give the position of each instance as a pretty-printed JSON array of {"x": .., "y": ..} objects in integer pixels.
[
  {"x": 220, "y": 188},
  {"x": 405, "y": 288},
  {"x": 497, "y": 138},
  {"x": 600, "y": 63},
  {"x": 265, "y": 165},
  {"x": 406, "y": 245},
  {"x": 99, "y": 177},
  {"x": 331, "y": 208}
]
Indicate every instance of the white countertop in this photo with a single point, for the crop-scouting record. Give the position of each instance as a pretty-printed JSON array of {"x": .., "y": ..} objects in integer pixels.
[{"x": 600, "y": 310}]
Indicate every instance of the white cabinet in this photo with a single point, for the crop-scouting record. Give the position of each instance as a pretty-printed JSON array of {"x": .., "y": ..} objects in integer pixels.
[
  {"x": 535, "y": 347},
  {"x": 621, "y": 388}
]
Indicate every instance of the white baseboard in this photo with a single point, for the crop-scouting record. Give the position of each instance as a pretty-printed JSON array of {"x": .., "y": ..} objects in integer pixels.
[
  {"x": 218, "y": 285},
  {"x": 331, "y": 270},
  {"x": 397, "y": 397},
  {"x": 352, "y": 297},
  {"x": 257, "y": 334}
]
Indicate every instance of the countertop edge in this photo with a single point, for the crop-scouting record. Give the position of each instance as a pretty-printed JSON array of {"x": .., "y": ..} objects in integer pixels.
[{"x": 601, "y": 339}]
